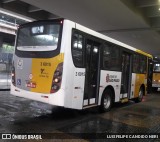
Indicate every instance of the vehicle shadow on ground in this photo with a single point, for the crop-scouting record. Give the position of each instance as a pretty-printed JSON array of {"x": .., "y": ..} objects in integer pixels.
[{"x": 56, "y": 118}]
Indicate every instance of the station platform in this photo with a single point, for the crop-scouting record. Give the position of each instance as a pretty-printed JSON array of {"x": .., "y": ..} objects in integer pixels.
[{"x": 19, "y": 115}]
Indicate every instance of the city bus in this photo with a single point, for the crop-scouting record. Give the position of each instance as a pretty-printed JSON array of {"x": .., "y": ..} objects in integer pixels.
[
  {"x": 65, "y": 64},
  {"x": 156, "y": 75}
]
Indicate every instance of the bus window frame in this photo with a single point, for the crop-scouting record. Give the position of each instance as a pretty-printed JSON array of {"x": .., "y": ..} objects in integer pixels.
[
  {"x": 120, "y": 54},
  {"x": 41, "y": 54},
  {"x": 75, "y": 31},
  {"x": 85, "y": 36},
  {"x": 138, "y": 71}
]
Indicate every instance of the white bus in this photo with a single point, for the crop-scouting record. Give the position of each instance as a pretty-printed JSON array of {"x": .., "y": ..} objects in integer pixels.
[{"x": 63, "y": 63}]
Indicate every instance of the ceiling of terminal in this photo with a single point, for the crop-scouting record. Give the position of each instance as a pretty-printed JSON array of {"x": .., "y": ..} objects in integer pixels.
[{"x": 135, "y": 22}]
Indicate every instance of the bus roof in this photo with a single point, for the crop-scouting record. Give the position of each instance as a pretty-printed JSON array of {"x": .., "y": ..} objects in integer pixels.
[
  {"x": 96, "y": 34},
  {"x": 104, "y": 37}
]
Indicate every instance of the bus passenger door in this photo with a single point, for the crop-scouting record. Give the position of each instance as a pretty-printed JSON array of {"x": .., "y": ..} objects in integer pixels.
[
  {"x": 149, "y": 75},
  {"x": 126, "y": 75},
  {"x": 92, "y": 65}
]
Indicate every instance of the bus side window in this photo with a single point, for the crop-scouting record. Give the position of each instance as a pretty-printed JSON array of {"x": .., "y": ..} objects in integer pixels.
[
  {"x": 111, "y": 57},
  {"x": 106, "y": 57},
  {"x": 139, "y": 64},
  {"x": 143, "y": 64},
  {"x": 136, "y": 63},
  {"x": 77, "y": 49}
]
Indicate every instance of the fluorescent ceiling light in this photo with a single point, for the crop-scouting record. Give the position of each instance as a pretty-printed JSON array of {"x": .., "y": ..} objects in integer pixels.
[{"x": 16, "y": 15}]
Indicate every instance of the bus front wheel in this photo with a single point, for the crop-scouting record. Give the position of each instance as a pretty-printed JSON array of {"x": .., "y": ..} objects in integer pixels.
[{"x": 106, "y": 101}]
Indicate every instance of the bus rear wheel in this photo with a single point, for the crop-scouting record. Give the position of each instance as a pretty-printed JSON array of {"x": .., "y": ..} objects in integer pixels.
[
  {"x": 106, "y": 101},
  {"x": 140, "y": 95}
]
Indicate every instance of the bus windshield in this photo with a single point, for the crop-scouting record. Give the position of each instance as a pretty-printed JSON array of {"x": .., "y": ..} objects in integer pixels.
[
  {"x": 156, "y": 68},
  {"x": 41, "y": 37}
]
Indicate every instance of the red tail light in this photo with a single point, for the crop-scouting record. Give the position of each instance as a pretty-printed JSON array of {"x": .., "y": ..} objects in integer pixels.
[
  {"x": 57, "y": 78},
  {"x": 13, "y": 74}
]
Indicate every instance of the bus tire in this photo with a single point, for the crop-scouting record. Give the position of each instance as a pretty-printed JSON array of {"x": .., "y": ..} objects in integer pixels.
[
  {"x": 106, "y": 101},
  {"x": 140, "y": 95}
]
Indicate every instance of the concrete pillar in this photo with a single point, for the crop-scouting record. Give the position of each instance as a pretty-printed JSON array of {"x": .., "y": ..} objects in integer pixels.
[{"x": 1, "y": 42}]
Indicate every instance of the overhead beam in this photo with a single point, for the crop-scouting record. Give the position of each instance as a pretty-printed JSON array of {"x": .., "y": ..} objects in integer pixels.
[
  {"x": 33, "y": 9},
  {"x": 22, "y": 8},
  {"x": 7, "y": 1},
  {"x": 138, "y": 11},
  {"x": 39, "y": 15},
  {"x": 152, "y": 12},
  {"x": 16, "y": 15},
  {"x": 146, "y": 3},
  {"x": 52, "y": 16}
]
